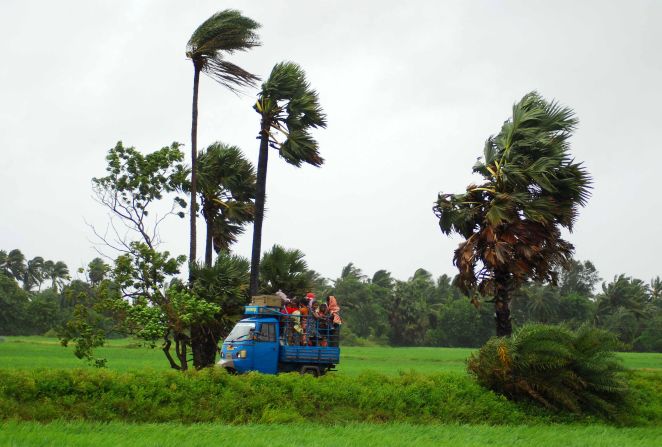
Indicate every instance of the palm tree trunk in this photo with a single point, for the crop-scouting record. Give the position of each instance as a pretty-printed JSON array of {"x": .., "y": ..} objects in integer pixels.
[
  {"x": 194, "y": 156},
  {"x": 208, "y": 242},
  {"x": 504, "y": 327},
  {"x": 261, "y": 183}
]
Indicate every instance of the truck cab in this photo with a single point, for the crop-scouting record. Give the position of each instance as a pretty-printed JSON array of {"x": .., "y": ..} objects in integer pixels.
[{"x": 270, "y": 342}]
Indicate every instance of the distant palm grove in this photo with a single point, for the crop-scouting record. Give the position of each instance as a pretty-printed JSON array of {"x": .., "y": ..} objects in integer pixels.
[{"x": 378, "y": 309}]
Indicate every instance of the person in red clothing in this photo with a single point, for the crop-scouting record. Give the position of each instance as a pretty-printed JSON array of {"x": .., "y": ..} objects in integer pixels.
[{"x": 310, "y": 296}]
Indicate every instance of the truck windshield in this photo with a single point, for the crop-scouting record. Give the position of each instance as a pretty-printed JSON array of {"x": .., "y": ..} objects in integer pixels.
[{"x": 240, "y": 332}]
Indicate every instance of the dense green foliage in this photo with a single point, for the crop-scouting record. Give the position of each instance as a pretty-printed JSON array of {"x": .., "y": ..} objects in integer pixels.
[
  {"x": 511, "y": 222},
  {"x": 83, "y": 433},
  {"x": 213, "y": 395},
  {"x": 556, "y": 367},
  {"x": 381, "y": 310}
]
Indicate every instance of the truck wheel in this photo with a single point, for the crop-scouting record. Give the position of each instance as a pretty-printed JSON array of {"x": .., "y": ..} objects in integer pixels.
[{"x": 314, "y": 370}]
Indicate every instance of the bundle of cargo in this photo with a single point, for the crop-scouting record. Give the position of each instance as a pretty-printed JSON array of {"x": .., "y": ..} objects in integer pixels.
[{"x": 267, "y": 301}]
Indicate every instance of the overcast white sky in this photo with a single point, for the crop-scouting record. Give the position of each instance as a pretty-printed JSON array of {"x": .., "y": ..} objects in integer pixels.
[{"x": 411, "y": 90}]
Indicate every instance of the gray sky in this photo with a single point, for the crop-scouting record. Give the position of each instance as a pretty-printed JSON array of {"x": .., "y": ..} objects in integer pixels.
[{"x": 411, "y": 90}]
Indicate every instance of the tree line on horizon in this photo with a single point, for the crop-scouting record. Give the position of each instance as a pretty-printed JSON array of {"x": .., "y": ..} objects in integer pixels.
[{"x": 378, "y": 310}]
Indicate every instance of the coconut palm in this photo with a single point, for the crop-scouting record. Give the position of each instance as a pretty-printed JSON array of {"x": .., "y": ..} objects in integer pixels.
[
  {"x": 12, "y": 264},
  {"x": 512, "y": 221},
  {"x": 33, "y": 273},
  {"x": 223, "y": 33},
  {"x": 226, "y": 183},
  {"x": 57, "y": 272},
  {"x": 289, "y": 108}
]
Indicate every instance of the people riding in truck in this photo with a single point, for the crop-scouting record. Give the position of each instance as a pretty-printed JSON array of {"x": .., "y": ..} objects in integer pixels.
[{"x": 336, "y": 321}]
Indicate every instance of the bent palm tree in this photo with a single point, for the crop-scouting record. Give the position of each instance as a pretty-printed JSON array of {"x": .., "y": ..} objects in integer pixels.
[
  {"x": 12, "y": 264},
  {"x": 511, "y": 222},
  {"x": 223, "y": 33},
  {"x": 226, "y": 182},
  {"x": 288, "y": 108},
  {"x": 33, "y": 274}
]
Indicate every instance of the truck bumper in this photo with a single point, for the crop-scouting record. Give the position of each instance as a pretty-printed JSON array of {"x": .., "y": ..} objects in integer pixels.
[{"x": 226, "y": 363}]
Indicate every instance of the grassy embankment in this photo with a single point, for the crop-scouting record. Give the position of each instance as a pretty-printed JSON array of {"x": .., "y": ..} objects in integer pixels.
[{"x": 39, "y": 383}]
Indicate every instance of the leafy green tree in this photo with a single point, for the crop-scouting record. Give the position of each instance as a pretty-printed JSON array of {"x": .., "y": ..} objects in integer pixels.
[
  {"x": 358, "y": 310},
  {"x": 289, "y": 108},
  {"x": 134, "y": 182},
  {"x": 456, "y": 323},
  {"x": 223, "y": 33},
  {"x": 137, "y": 292},
  {"x": 224, "y": 284},
  {"x": 226, "y": 183},
  {"x": 408, "y": 313},
  {"x": 579, "y": 277},
  {"x": 13, "y": 302},
  {"x": 512, "y": 221}
]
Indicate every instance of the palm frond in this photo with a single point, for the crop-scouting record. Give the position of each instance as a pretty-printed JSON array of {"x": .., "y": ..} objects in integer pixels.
[{"x": 226, "y": 32}]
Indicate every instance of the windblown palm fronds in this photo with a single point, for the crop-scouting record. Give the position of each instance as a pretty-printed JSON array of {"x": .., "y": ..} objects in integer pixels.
[{"x": 512, "y": 221}]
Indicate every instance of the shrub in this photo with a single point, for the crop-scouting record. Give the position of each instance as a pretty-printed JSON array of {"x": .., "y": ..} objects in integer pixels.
[{"x": 556, "y": 367}]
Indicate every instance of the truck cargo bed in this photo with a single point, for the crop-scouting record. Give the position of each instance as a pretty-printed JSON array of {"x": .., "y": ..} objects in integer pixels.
[{"x": 309, "y": 354}]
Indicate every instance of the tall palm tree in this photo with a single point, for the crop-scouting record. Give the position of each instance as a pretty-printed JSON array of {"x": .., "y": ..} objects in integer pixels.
[
  {"x": 223, "y": 33},
  {"x": 511, "y": 221},
  {"x": 288, "y": 109},
  {"x": 226, "y": 183}
]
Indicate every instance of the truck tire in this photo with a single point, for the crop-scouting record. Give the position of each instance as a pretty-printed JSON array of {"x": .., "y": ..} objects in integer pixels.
[{"x": 313, "y": 370}]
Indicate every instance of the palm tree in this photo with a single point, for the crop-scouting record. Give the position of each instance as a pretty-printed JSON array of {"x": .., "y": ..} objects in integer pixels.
[
  {"x": 511, "y": 221},
  {"x": 57, "y": 272},
  {"x": 33, "y": 274},
  {"x": 226, "y": 183},
  {"x": 623, "y": 292},
  {"x": 288, "y": 109},
  {"x": 12, "y": 264},
  {"x": 286, "y": 270},
  {"x": 223, "y": 33}
]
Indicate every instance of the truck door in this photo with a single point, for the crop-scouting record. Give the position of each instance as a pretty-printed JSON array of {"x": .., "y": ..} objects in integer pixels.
[{"x": 266, "y": 349}]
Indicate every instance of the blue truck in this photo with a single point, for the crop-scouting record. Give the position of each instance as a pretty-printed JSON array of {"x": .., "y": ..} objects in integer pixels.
[{"x": 269, "y": 341}]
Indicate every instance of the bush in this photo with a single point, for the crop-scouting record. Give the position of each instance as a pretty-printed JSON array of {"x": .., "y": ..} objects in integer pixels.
[
  {"x": 556, "y": 367},
  {"x": 212, "y": 395}
]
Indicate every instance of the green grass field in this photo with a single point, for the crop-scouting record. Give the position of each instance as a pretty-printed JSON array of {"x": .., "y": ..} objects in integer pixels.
[
  {"x": 126, "y": 355},
  {"x": 30, "y": 353},
  {"x": 74, "y": 434}
]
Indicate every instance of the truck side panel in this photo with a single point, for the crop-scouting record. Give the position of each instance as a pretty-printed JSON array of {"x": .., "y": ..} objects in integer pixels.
[{"x": 310, "y": 355}]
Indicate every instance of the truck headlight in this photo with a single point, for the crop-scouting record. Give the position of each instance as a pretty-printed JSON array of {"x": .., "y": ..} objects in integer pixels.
[{"x": 241, "y": 354}]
